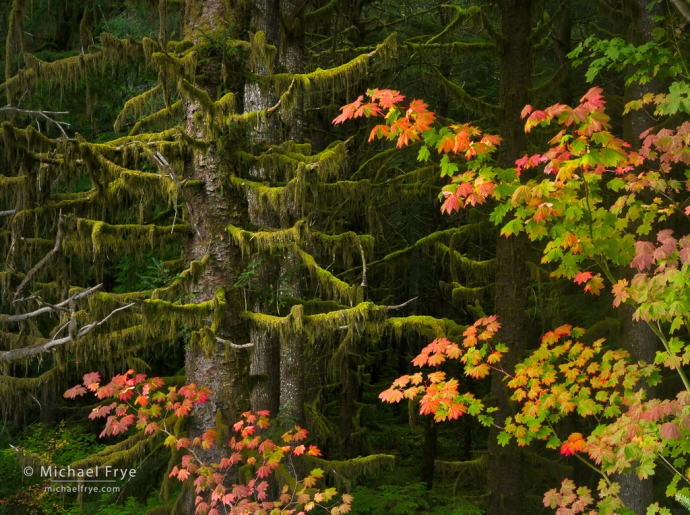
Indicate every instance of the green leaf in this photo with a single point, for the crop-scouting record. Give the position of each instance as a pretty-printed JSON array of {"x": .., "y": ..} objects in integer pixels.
[
  {"x": 447, "y": 167},
  {"x": 499, "y": 213},
  {"x": 616, "y": 184},
  {"x": 676, "y": 324},
  {"x": 513, "y": 227},
  {"x": 424, "y": 154},
  {"x": 503, "y": 438}
]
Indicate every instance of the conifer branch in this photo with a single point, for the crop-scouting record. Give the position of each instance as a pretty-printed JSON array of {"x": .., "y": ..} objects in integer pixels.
[
  {"x": 44, "y": 114},
  {"x": 545, "y": 27},
  {"x": 47, "y": 307},
  {"x": 234, "y": 345},
  {"x": 43, "y": 262},
  {"x": 284, "y": 96},
  {"x": 25, "y": 352}
]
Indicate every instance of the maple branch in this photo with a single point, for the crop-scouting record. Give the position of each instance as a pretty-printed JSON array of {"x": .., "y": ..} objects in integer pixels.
[
  {"x": 657, "y": 330},
  {"x": 586, "y": 462}
]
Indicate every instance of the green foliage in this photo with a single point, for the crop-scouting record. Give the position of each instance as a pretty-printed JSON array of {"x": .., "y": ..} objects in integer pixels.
[{"x": 410, "y": 499}]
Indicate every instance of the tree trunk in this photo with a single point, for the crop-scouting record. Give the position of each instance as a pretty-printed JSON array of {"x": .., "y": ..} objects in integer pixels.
[
  {"x": 292, "y": 60},
  {"x": 429, "y": 452},
  {"x": 636, "y": 337},
  {"x": 505, "y": 464},
  {"x": 223, "y": 370}
]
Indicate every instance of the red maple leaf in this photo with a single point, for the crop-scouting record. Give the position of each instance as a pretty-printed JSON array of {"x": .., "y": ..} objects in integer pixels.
[
  {"x": 644, "y": 255},
  {"x": 582, "y": 277}
]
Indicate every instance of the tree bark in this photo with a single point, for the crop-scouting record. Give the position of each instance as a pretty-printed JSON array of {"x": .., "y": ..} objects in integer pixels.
[
  {"x": 505, "y": 464},
  {"x": 636, "y": 337},
  {"x": 292, "y": 60},
  {"x": 223, "y": 371}
]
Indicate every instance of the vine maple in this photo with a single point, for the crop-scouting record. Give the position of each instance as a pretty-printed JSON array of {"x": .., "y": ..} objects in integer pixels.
[
  {"x": 596, "y": 202},
  {"x": 139, "y": 399}
]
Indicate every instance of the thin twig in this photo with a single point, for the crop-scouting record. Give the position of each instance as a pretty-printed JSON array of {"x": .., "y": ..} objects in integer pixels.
[
  {"x": 8, "y": 212},
  {"x": 402, "y": 305}
]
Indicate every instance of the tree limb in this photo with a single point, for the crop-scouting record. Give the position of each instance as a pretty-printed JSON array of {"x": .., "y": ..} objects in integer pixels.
[
  {"x": 234, "y": 345},
  {"x": 402, "y": 305},
  {"x": 48, "y": 308},
  {"x": 8, "y": 213},
  {"x": 23, "y": 353},
  {"x": 43, "y": 262},
  {"x": 44, "y": 114}
]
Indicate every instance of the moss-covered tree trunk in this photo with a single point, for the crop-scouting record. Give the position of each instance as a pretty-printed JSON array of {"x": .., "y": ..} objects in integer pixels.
[
  {"x": 215, "y": 365},
  {"x": 265, "y": 360},
  {"x": 505, "y": 464}
]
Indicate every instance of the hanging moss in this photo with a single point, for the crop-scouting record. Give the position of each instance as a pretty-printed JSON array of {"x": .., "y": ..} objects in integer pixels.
[
  {"x": 134, "y": 107},
  {"x": 184, "y": 282},
  {"x": 344, "y": 473},
  {"x": 478, "y": 106}
]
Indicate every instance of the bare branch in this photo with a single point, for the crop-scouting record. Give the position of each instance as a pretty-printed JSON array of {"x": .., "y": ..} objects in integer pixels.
[
  {"x": 48, "y": 308},
  {"x": 270, "y": 110},
  {"x": 364, "y": 266},
  {"x": 163, "y": 163},
  {"x": 23, "y": 353},
  {"x": 45, "y": 114},
  {"x": 43, "y": 262},
  {"x": 234, "y": 345},
  {"x": 8, "y": 213},
  {"x": 401, "y": 305}
]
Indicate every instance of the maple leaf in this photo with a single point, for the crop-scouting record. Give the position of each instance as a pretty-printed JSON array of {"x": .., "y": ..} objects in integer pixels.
[
  {"x": 670, "y": 431},
  {"x": 437, "y": 377},
  {"x": 525, "y": 111},
  {"x": 92, "y": 380},
  {"x": 620, "y": 293},
  {"x": 72, "y": 393},
  {"x": 595, "y": 285},
  {"x": 456, "y": 410},
  {"x": 386, "y": 97},
  {"x": 348, "y": 111},
  {"x": 575, "y": 443},
  {"x": 582, "y": 277},
  {"x": 314, "y": 451},
  {"x": 391, "y": 395},
  {"x": 183, "y": 474},
  {"x": 644, "y": 255}
]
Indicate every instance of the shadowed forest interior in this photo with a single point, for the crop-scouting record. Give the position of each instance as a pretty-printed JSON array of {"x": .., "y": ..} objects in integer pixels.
[{"x": 176, "y": 201}]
